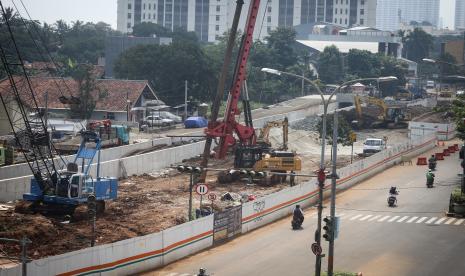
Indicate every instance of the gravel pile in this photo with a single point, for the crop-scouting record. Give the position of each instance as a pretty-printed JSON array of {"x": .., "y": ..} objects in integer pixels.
[{"x": 310, "y": 123}]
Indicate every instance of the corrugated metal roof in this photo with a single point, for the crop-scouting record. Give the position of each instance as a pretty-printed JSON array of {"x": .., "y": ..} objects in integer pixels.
[{"x": 344, "y": 46}]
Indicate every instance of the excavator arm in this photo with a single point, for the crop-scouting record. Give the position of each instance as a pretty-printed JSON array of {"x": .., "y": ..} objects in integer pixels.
[{"x": 265, "y": 132}]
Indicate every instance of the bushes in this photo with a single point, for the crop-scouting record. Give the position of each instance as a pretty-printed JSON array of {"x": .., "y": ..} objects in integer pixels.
[{"x": 457, "y": 196}]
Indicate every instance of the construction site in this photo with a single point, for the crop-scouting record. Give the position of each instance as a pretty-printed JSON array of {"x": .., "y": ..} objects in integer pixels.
[{"x": 159, "y": 200}]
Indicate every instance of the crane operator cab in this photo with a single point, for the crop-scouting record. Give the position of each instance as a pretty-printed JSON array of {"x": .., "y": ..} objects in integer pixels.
[{"x": 80, "y": 185}]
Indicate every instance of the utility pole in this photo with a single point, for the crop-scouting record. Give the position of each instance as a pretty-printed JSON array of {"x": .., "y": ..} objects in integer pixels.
[
  {"x": 191, "y": 184},
  {"x": 185, "y": 99},
  {"x": 333, "y": 197},
  {"x": 303, "y": 81}
]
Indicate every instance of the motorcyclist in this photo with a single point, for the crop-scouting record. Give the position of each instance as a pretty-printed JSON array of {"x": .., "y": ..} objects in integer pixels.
[
  {"x": 429, "y": 178},
  {"x": 297, "y": 218},
  {"x": 393, "y": 191},
  {"x": 202, "y": 272},
  {"x": 432, "y": 162}
]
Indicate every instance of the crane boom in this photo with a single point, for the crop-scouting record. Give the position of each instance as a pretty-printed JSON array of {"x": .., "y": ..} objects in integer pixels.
[
  {"x": 31, "y": 135},
  {"x": 228, "y": 126}
]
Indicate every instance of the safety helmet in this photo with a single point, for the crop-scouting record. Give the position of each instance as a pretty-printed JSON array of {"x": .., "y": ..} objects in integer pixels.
[{"x": 429, "y": 170}]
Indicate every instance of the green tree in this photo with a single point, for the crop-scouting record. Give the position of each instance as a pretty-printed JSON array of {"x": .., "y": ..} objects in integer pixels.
[
  {"x": 88, "y": 91},
  {"x": 330, "y": 65},
  {"x": 146, "y": 29},
  {"x": 418, "y": 44},
  {"x": 167, "y": 67},
  {"x": 362, "y": 63},
  {"x": 280, "y": 42},
  {"x": 458, "y": 109}
]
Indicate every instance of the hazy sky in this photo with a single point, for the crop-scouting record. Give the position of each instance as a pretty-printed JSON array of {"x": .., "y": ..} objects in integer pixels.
[{"x": 105, "y": 10}]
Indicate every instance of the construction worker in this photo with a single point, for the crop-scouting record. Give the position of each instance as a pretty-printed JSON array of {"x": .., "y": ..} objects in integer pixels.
[
  {"x": 429, "y": 178},
  {"x": 297, "y": 218},
  {"x": 432, "y": 162}
]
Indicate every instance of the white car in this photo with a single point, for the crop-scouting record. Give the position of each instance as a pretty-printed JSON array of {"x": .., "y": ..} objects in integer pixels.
[
  {"x": 153, "y": 120},
  {"x": 373, "y": 145},
  {"x": 171, "y": 116}
]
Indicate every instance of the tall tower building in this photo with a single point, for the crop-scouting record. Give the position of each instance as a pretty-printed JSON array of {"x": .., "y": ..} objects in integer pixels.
[
  {"x": 460, "y": 14},
  {"x": 390, "y": 13},
  {"x": 212, "y": 18}
]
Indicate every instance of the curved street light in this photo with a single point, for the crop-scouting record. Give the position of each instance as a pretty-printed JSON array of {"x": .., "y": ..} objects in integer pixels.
[{"x": 322, "y": 158}]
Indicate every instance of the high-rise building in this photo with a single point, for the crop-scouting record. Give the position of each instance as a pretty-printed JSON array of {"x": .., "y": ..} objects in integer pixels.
[
  {"x": 211, "y": 18},
  {"x": 391, "y": 13},
  {"x": 460, "y": 14}
]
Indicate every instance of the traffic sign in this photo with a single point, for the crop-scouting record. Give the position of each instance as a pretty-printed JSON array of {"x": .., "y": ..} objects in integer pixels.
[
  {"x": 316, "y": 249},
  {"x": 212, "y": 197},
  {"x": 353, "y": 137},
  {"x": 201, "y": 189}
]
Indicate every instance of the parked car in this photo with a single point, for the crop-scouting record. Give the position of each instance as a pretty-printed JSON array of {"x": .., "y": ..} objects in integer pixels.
[
  {"x": 153, "y": 120},
  {"x": 169, "y": 115}
]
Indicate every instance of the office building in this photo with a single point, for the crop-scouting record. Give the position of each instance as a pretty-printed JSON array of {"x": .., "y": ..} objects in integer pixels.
[
  {"x": 391, "y": 13},
  {"x": 460, "y": 14},
  {"x": 212, "y": 18}
]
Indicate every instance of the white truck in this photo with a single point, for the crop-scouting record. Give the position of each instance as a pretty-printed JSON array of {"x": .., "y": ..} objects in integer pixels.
[{"x": 373, "y": 145}]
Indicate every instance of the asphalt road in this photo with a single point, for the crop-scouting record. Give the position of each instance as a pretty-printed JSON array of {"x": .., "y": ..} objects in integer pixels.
[{"x": 414, "y": 238}]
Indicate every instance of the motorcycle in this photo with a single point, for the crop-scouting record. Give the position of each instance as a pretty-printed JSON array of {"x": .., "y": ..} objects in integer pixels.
[
  {"x": 392, "y": 199},
  {"x": 297, "y": 223},
  {"x": 430, "y": 180},
  {"x": 432, "y": 166}
]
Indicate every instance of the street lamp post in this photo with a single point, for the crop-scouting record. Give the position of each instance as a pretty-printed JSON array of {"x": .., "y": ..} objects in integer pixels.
[{"x": 321, "y": 180}]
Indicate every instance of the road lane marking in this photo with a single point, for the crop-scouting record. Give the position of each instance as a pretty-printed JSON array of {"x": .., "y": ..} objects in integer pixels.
[
  {"x": 449, "y": 221},
  {"x": 393, "y": 218},
  {"x": 356, "y": 217},
  {"x": 403, "y": 218},
  {"x": 459, "y": 222},
  {"x": 375, "y": 217},
  {"x": 411, "y": 220},
  {"x": 365, "y": 217},
  {"x": 384, "y": 218},
  {"x": 421, "y": 220},
  {"x": 440, "y": 220},
  {"x": 431, "y": 220}
]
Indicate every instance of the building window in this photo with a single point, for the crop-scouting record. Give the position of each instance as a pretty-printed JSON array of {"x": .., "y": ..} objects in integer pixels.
[
  {"x": 268, "y": 29},
  {"x": 129, "y": 15},
  {"x": 153, "y": 16},
  {"x": 268, "y": 19},
  {"x": 143, "y": 16},
  {"x": 269, "y": 9},
  {"x": 150, "y": 6},
  {"x": 362, "y": 2},
  {"x": 335, "y": 20},
  {"x": 361, "y": 21},
  {"x": 150, "y": 15},
  {"x": 346, "y": 11},
  {"x": 217, "y": 8},
  {"x": 335, "y": 11},
  {"x": 345, "y": 21},
  {"x": 336, "y": 2},
  {"x": 217, "y": 18},
  {"x": 217, "y": 27},
  {"x": 217, "y": 37},
  {"x": 362, "y": 11},
  {"x": 143, "y": 6},
  {"x": 154, "y": 7},
  {"x": 340, "y": 10},
  {"x": 347, "y": 2},
  {"x": 129, "y": 6},
  {"x": 128, "y": 25},
  {"x": 340, "y": 21}
]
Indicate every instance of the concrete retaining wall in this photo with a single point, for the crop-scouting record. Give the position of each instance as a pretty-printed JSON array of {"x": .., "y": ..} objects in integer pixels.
[
  {"x": 155, "y": 250},
  {"x": 444, "y": 132}
]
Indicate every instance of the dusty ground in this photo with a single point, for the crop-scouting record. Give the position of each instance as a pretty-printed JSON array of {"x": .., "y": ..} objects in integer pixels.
[{"x": 153, "y": 202}]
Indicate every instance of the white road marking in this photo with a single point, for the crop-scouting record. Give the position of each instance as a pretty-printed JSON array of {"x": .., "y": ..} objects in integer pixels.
[
  {"x": 449, "y": 221},
  {"x": 421, "y": 220},
  {"x": 384, "y": 218},
  {"x": 411, "y": 220},
  {"x": 356, "y": 217},
  {"x": 431, "y": 220},
  {"x": 440, "y": 220},
  {"x": 403, "y": 218},
  {"x": 365, "y": 217},
  {"x": 375, "y": 217},
  {"x": 459, "y": 222},
  {"x": 393, "y": 218}
]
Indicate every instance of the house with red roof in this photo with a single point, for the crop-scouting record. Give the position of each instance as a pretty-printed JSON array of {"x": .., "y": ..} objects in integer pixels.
[{"x": 118, "y": 100}]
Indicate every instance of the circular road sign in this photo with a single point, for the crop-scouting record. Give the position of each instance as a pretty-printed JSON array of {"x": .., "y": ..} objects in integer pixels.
[
  {"x": 201, "y": 189},
  {"x": 211, "y": 197},
  {"x": 316, "y": 249}
]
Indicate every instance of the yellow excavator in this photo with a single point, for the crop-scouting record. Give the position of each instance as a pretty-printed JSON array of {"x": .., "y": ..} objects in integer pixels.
[
  {"x": 263, "y": 158},
  {"x": 263, "y": 137},
  {"x": 392, "y": 116}
]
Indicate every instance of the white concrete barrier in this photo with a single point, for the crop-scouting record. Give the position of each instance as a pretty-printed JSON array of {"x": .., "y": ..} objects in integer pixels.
[{"x": 444, "y": 131}]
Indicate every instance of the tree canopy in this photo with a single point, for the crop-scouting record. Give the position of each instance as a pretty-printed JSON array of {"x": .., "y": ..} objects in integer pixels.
[{"x": 418, "y": 44}]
